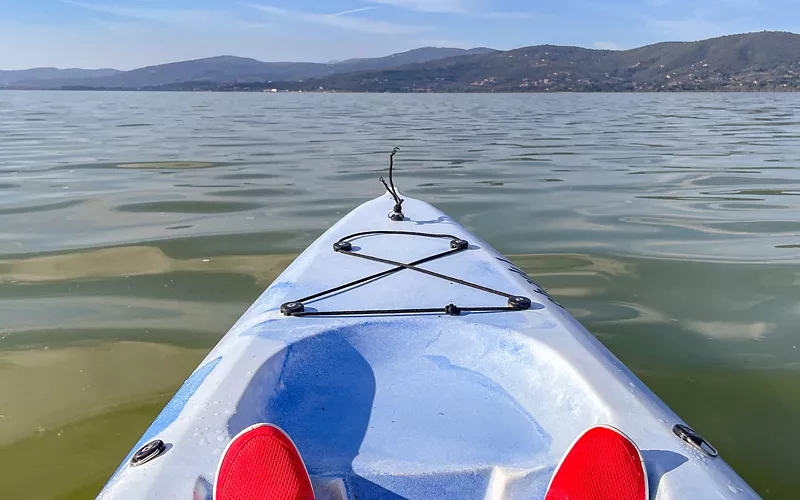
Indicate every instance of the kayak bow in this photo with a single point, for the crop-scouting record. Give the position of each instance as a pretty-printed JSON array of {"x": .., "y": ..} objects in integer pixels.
[{"x": 430, "y": 367}]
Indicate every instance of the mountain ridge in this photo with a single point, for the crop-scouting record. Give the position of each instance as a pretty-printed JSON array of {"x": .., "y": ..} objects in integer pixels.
[
  {"x": 47, "y": 73},
  {"x": 766, "y": 60},
  {"x": 230, "y": 69},
  {"x": 749, "y": 61}
]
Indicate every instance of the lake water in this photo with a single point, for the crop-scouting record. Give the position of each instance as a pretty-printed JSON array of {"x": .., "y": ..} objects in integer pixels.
[{"x": 136, "y": 227}]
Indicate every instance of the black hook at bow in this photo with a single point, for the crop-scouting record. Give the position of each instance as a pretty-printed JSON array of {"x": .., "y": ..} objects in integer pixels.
[{"x": 397, "y": 211}]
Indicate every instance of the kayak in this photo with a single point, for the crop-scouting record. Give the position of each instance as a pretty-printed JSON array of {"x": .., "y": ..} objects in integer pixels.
[{"x": 407, "y": 358}]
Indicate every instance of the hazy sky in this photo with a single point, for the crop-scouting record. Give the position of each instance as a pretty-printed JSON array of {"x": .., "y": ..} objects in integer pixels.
[{"x": 131, "y": 33}]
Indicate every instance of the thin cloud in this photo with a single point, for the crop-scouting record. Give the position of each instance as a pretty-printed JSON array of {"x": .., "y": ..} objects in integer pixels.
[
  {"x": 354, "y": 11},
  {"x": 443, "y": 6},
  {"x": 468, "y": 8},
  {"x": 342, "y": 21},
  {"x": 171, "y": 16}
]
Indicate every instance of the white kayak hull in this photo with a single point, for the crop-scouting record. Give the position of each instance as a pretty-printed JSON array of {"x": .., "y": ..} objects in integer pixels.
[{"x": 417, "y": 406}]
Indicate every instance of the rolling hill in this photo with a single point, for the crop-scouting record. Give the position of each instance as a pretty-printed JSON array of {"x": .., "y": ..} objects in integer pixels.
[
  {"x": 752, "y": 61},
  {"x": 233, "y": 70},
  {"x": 44, "y": 74}
]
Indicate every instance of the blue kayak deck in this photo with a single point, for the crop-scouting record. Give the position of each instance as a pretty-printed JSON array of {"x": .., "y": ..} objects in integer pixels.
[
  {"x": 423, "y": 406},
  {"x": 406, "y": 405}
]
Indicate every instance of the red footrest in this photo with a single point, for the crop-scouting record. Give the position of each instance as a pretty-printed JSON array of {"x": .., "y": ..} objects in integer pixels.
[
  {"x": 262, "y": 463},
  {"x": 602, "y": 464}
]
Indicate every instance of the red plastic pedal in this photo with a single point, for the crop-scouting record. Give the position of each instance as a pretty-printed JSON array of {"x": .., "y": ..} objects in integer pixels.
[
  {"x": 262, "y": 463},
  {"x": 602, "y": 464}
]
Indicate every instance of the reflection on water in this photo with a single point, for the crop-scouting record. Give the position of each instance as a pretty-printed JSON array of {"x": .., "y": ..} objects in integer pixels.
[
  {"x": 167, "y": 164},
  {"x": 137, "y": 227},
  {"x": 107, "y": 375},
  {"x": 124, "y": 262}
]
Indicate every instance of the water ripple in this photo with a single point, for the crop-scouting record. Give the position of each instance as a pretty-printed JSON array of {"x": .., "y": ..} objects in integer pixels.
[{"x": 667, "y": 223}]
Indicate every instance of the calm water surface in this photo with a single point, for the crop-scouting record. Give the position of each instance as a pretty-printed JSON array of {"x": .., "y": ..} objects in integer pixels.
[{"x": 136, "y": 227}]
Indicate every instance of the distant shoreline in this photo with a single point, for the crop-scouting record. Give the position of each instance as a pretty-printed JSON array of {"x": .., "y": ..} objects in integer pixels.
[
  {"x": 750, "y": 62},
  {"x": 440, "y": 92}
]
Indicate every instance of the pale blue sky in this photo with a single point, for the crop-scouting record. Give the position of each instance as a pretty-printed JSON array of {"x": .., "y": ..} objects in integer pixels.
[{"x": 131, "y": 33}]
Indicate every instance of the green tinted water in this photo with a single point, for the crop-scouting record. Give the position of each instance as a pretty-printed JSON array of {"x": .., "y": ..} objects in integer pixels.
[{"x": 135, "y": 229}]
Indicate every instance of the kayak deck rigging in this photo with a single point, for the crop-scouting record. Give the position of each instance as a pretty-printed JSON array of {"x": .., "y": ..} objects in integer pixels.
[
  {"x": 413, "y": 402},
  {"x": 457, "y": 245}
]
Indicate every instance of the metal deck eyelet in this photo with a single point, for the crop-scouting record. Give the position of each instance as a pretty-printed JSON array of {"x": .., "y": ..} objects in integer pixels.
[{"x": 695, "y": 440}]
